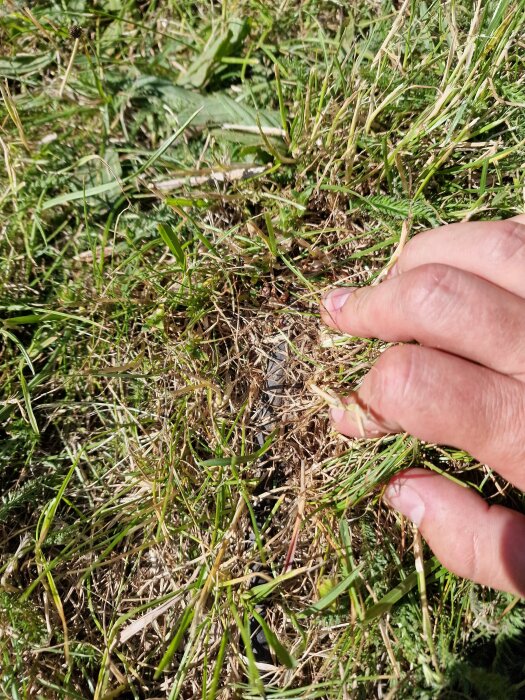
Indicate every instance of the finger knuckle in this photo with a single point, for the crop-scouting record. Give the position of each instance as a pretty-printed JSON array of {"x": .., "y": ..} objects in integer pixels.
[
  {"x": 508, "y": 242},
  {"x": 396, "y": 372},
  {"x": 506, "y": 413},
  {"x": 471, "y": 565},
  {"x": 429, "y": 291}
]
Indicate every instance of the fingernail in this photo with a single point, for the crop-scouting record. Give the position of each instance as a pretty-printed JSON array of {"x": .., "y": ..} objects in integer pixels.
[
  {"x": 335, "y": 299},
  {"x": 406, "y": 500},
  {"x": 336, "y": 414}
]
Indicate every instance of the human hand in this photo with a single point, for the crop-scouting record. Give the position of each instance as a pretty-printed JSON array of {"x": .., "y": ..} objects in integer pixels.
[{"x": 459, "y": 291}]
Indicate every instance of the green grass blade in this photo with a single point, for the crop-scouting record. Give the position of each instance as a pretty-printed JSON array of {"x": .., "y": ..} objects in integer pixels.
[
  {"x": 398, "y": 592},
  {"x": 185, "y": 621},
  {"x": 283, "y": 655},
  {"x": 334, "y": 593},
  {"x": 27, "y": 401}
]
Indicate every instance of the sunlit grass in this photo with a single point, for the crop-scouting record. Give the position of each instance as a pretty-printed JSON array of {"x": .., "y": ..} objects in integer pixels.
[{"x": 182, "y": 181}]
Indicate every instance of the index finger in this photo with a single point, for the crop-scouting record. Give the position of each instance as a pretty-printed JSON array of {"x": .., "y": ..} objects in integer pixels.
[{"x": 494, "y": 250}]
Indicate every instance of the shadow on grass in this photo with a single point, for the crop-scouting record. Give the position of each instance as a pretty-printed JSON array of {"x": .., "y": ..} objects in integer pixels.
[{"x": 491, "y": 669}]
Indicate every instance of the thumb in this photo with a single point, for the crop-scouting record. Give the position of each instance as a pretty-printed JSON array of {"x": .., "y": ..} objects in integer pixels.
[{"x": 470, "y": 538}]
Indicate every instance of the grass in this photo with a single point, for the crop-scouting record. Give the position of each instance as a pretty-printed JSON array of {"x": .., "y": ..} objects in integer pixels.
[{"x": 182, "y": 181}]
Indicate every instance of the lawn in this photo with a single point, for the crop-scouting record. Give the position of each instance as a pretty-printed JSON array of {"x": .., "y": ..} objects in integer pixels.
[{"x": 182, "y": 182}]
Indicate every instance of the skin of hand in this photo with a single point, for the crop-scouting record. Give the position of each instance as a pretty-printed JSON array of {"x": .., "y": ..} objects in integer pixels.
[{"x": 459, "y": 292}]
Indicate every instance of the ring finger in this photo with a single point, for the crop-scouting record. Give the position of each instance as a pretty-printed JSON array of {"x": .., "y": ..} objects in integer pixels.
[{"x": 443, "y": 399}]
